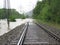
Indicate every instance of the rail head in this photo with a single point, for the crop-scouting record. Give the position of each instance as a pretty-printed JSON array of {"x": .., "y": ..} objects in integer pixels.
[{"x": 20, "y": 42}]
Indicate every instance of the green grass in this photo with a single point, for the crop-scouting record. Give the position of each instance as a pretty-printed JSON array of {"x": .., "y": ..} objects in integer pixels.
[{"x": 55, "y": 25}]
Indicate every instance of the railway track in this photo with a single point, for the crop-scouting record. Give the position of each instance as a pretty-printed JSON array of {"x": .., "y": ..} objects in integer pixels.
[
  {"x": 21, "y": 40},
  {"x": 37, "y": 35},
  {"x": 56, "y": 37}
]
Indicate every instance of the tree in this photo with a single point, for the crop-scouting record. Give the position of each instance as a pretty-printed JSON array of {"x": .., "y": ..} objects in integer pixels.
[{"x": 47, "y": 10}]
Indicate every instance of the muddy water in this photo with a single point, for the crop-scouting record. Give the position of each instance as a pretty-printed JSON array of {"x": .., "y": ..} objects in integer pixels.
[
  {"x": 12, "y": 25},
  {"x": 3, "y": 26}
]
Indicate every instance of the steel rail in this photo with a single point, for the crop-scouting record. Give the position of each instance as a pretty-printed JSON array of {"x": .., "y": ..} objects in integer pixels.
[
  {"x": 21, "y": 40},
  {"x": 49, "y": 32}
]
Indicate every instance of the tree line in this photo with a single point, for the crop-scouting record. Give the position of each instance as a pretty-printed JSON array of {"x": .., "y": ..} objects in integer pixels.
[
  {"x": 47, "y": 10},
  {"x": 11, "y": 14}
]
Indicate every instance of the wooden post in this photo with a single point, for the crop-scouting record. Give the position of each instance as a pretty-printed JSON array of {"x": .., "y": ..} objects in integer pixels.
[{"x": 7, "y": 10}]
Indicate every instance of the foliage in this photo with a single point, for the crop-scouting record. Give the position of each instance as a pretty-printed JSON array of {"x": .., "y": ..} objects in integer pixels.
[
  {"x": 47, "y": 10},
  {"x": 11, "y": 14}
]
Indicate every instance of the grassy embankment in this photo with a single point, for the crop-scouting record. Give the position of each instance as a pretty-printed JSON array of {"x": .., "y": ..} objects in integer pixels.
[{"x": 52, "y": 24}]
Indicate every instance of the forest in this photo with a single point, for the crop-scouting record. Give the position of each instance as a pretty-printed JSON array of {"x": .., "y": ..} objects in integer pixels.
[
  {"x": 47, "y": 11},
  {"x": 11, "y": 14}
]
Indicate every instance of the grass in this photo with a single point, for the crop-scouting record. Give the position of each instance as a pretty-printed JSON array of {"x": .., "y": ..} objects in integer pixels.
[{"x": 55, "y": 25}]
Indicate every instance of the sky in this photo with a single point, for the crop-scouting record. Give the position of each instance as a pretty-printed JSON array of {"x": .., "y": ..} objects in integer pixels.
[{"x": 21, "y": 5}]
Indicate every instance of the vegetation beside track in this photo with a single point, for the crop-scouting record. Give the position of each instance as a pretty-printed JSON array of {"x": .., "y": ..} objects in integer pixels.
[{"x": 48, "y": 11}]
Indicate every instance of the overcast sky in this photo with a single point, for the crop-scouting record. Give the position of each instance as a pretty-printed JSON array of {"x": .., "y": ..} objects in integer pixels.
[{"x": 21, "y": 5}]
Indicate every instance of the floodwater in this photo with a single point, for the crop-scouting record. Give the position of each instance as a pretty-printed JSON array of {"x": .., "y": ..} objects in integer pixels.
[{"x": 12, "y": 25}]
